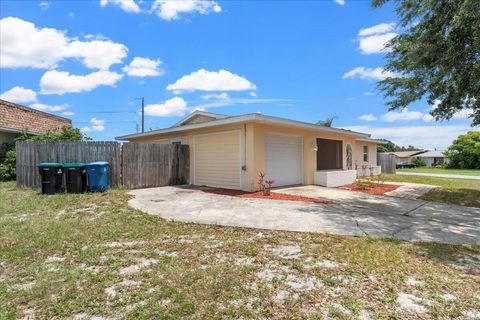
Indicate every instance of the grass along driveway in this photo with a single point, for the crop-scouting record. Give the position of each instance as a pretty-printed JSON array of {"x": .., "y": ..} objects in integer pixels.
[
  {"x": 91, "y": 255},
  {"x": 466, "y": 172},
  {"x": 463, "y": 192}
]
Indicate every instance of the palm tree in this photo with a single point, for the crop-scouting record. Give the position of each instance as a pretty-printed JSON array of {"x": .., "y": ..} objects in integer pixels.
[{"x": 327, "y": 122}]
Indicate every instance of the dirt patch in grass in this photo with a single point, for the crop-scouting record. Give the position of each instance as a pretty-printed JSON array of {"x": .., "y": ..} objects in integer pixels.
[
  {"x": 377, "y": 189},
  {"x": 260, "y": 195}
]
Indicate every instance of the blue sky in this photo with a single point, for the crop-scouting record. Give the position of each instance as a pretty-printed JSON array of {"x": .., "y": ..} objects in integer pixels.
[{"x": 304, "y": 60}]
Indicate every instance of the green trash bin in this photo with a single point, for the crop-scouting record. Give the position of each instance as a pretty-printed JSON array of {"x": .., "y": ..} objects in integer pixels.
[
  {"x": 51, "y": 174},
  {"x": 75, "y": 177}
]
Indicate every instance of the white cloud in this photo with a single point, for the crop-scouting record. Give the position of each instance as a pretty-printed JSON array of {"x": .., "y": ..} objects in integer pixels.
[
  {"x": 95, "y": 125},
  {"x": 462, "y": 114},
  {"x": 368, "y": 117},
  {"x": 426, "y": 136},
  {"x": 170, "y": 10},
  {"x": 205, "y": 80},
  {"x": 96, "y": 54},
  {"x": 403, "y": 115},
  {"x": 49, "y": 108},
  {"x": 60, "y": 82},
  {"x": 237, "y": 101},
  {"x": 44, "y": 5},
  {"x": 25, "y": 45},
  {"x": 68, "y": 113},
  {"x": 368, "y": 73},
  {"x": 368, "y": 93},
  {"x": 373, "y": 39},
  {"x": 253, "y": 94},
  {"x": 219, "y": 96},
  {"x": 143, "y": 67},
  {"x": 375, "y": 43},
  {"x": 340, "y": 2},
  {"x": 125, "y": 5},
  {"x": 19, "y": 95},
  {"x": 377, "y": 29},
  {"x": 172, "y": 107}
]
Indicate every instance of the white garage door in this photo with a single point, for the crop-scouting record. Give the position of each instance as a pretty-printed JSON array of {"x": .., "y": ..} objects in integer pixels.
[
  {"x": 217, "y": 160},
  {"x": 284, "y": 159}
]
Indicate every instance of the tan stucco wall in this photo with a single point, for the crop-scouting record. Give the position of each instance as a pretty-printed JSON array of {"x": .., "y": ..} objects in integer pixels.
[
  {"x": 253, "y": 148},
  {"x": 358, "y": 154}
]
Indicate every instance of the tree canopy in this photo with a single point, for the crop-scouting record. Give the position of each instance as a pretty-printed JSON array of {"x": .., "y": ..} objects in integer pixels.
[
  {"x": 464, "y": 153},
  {"x": 62, "y": 134},
  {"x": 436, "y": 56}
]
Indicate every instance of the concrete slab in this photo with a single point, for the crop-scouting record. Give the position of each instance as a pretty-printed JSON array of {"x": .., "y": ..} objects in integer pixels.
[
  {"x": 439, "y": 175},
  {"x": 352, "y": 214}
]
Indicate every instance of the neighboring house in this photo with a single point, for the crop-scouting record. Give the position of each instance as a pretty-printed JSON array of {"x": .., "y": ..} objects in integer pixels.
[
  {"x": 230, "y": 151},
  {"x": 15, "y": 118},
  {"x": 405, "y": 156},
  {"x": 433, "y": 158}
]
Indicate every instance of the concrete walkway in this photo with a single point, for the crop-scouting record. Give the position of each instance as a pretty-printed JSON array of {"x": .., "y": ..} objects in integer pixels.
[
  {"x": 439, "y": 175},
  {"x": 353, "y": 214}
]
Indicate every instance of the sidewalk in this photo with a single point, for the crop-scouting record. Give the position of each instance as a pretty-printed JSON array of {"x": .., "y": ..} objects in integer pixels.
[{"x": 439, "y": 175}]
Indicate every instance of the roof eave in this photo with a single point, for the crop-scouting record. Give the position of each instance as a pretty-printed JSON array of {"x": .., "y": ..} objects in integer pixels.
[{"x": 259, "y": 118}]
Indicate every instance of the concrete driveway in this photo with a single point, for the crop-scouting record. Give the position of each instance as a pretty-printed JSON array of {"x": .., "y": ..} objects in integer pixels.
[{"x": 353, "y": 213}]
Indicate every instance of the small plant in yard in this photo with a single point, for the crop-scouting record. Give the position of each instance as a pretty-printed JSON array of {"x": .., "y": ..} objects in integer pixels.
[
  {"x": 265, "y": 186},
  {"x": 268, "y": 187},
  {"x": 364, "y": 183}
]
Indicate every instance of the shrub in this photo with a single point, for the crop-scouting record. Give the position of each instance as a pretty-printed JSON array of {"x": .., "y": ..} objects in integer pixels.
[
  {"x": 8, "y": 163},
  {"x": 419, "y": 162},
  {"x": 464, "y": 153}
]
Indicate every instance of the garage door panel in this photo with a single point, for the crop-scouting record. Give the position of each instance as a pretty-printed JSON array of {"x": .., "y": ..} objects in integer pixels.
[
  {"x": 284, "y": 159},
  {"x": 217, "y": 160}
]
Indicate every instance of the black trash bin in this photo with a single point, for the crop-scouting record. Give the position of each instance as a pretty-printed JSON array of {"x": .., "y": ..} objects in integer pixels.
[
  {"x": 75, "y": 177},
  {"x": 52, "y": 177}
]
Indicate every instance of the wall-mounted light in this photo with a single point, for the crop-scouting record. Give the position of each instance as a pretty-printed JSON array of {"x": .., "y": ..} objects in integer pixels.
[{"x": 314, "y": 147}]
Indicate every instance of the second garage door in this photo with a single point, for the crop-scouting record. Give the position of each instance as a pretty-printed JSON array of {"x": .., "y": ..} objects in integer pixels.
[
  {"x": 217, "y": 160},
  {"x": 284, "y": 159}
]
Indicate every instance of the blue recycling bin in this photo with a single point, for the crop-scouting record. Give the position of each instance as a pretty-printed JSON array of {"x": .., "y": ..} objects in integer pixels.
[{"x": 97, "y": 176}]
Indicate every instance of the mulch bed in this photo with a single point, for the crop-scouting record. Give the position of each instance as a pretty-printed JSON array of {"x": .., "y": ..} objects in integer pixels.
[
  {"x": 377, "y": 189},
  {"x": 259, "y": 195}
]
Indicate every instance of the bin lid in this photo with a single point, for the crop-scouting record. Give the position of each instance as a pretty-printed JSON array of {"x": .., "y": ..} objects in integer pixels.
[
  {"x": 49, "y": 164},
  {"x": 98, "y": 163},
  {"x": 74, "y": 165}
]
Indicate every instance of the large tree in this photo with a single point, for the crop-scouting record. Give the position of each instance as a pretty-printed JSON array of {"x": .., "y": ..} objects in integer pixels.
[
  {"x": 464, "y": 152},
  {"x": 436, "y": 56}
]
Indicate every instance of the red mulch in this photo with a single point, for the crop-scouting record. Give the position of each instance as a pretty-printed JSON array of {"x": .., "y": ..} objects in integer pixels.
[
  {"x": 259, "y": 195},
  {"x": 377, "y": 189}
]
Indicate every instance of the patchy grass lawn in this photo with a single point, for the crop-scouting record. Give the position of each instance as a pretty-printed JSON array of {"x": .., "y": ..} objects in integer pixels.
[
  {"x": 464, "y": 192},
  {"x": 80, "y": 256},
  {"x": 466, "y": 172}
]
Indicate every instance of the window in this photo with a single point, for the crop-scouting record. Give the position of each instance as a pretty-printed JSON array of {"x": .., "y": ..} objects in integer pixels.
[
  {"x": 176, "y": 142},
  {"x": 365, "y": 153}
]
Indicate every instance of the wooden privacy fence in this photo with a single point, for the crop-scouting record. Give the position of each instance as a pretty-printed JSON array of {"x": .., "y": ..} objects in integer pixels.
[
  {"x": 132, "y": 165},
  {"x": 153, "y": 165},
  {"x": 387, "y": 162}
]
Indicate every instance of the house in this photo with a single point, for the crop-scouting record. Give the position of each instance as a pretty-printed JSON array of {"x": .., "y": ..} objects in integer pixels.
[
  {"x": 15, "y": 119},
  {"x": 230, "y": 151},
  {"x": 433, "y": 158},
  {"x": 405, "y": 156}
]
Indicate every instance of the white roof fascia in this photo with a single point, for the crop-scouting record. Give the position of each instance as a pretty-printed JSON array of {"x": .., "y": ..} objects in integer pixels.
[{"x": 245, "y": 118}]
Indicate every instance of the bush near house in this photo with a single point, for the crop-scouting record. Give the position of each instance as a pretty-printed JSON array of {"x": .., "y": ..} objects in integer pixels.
[
  {"x": 464, "y": 153},
  {"x": 8, "y": 159},
  {"x": 419, "y": 162}
]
